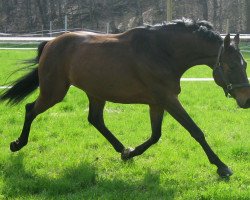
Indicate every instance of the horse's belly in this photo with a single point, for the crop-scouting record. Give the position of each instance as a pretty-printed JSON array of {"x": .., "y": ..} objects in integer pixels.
[
  {"x": 115, "y": 91},
  {"x": 110, "y": 74},
  {"x": 115, "y": 85}
]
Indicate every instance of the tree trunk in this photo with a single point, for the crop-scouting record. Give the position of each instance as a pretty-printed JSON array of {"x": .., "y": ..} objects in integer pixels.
[
  {"x": 52, "y": 10},
  {"x": 204, "y": 9},
  {"x": 139, "y": 12},
  {"x": 248, "y": 16},
  {"x": 42, "y": 7},
  {"x": 28, "y": 15},
  {"x": 215, "y": 12}
]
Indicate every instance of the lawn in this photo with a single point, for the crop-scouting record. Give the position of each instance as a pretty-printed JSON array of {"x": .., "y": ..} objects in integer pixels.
[{"x": 66, "y": 158}]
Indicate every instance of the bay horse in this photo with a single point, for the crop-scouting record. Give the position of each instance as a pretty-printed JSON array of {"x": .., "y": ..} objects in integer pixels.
[{"x": 141, "y": 66}]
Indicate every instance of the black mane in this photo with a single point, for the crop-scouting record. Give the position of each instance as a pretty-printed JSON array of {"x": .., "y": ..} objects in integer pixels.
[{"x": 202, "y": 28}]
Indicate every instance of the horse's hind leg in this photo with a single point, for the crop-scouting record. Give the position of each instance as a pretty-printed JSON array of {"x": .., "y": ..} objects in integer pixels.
[
  {"x": 95, "y": 117},
  {"x": 156, "y": 116},
  {"x": 23, "y": 139},
  {"x": 48, "y": 97}
]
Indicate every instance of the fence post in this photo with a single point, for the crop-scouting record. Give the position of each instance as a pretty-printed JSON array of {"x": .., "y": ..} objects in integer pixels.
[
  {"x": 66, "y": 23},
  {"x": 108, "y": 25},
  {"x": 42, "y": 30},
  {"x": 227, "y": 27},
  {"x": 169, "y": 10},
  {"x": 50, "y": 28}
]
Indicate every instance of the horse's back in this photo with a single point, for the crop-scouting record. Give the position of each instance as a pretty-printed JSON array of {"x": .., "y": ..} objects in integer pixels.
[{"x": 102, "y": 65}]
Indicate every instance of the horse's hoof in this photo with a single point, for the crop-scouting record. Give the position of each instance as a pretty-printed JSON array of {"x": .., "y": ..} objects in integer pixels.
[
  {"x": 15, "y": 146},
  {"x": 125, "y": 155},
  {"x": 224, "y": 172}
]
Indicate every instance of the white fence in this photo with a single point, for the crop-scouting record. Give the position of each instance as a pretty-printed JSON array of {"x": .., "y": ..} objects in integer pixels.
[
  {"x": 26, "y": 38},
  {"x": 35, "y": 40}
]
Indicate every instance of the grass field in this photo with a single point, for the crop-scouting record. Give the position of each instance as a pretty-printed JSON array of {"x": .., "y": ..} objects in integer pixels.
[{"x": 66, "y": 158}]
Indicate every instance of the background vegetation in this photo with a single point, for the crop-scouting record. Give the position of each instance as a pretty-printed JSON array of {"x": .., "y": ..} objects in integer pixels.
[{"x": 35, "y": 15}]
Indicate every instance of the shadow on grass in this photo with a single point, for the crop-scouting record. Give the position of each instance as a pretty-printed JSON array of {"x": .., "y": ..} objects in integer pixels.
[
  {"x": 20, "y": 183},
  {"x": 80, "y": 182}
]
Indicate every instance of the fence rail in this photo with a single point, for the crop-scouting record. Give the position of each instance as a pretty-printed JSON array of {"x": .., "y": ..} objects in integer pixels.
[
  {"x": 27, "y": 38},
  {"x": 24, "y": 39},
  {"x": 48, "y": 33}
]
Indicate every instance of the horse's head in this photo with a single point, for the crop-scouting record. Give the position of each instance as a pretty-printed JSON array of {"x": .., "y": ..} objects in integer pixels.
[{"x": 230, "y": 72}]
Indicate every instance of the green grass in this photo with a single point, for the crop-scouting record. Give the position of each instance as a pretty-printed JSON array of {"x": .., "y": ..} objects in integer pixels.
[
  {"x": 203, "y": 71},
  {"x": 12, "y": 60},
  {"x": 66, "y": 158},
  {"x": 19, "y": 45}
]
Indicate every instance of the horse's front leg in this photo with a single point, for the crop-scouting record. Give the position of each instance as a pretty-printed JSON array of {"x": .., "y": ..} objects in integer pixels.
[
  {"x": 176, "y": 110},
  {"x": 156, "y": 116},
  {"x": 95, "y": 117}
]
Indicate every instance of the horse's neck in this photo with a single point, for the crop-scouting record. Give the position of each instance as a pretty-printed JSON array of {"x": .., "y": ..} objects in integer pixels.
[{"x": 199, "y": 53}]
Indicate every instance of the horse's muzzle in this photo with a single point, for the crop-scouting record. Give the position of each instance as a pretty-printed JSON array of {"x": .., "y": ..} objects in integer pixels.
[
  {"x": 247, "y": 105},
  {"x": 244, "y": 105}
]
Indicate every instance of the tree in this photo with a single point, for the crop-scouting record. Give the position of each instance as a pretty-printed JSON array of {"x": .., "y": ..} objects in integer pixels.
[
  {"x": 139, "y": 12},
  {"x": 204, "y": 8},
  {"x": 247, "y": 16},
  {"x": 42, "y": 8},
  {"x": 28, "y": 14},
  {"x": 169, "y": 10}
]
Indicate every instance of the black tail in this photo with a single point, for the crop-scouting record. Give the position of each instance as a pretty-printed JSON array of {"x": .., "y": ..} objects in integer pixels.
[{"x": 24, "y": 86}]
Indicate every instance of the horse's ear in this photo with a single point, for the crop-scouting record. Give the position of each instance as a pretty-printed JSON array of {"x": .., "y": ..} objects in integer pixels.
[
  {"x": 237, "y": 40},
  {"x": 227, "y": 41}
]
